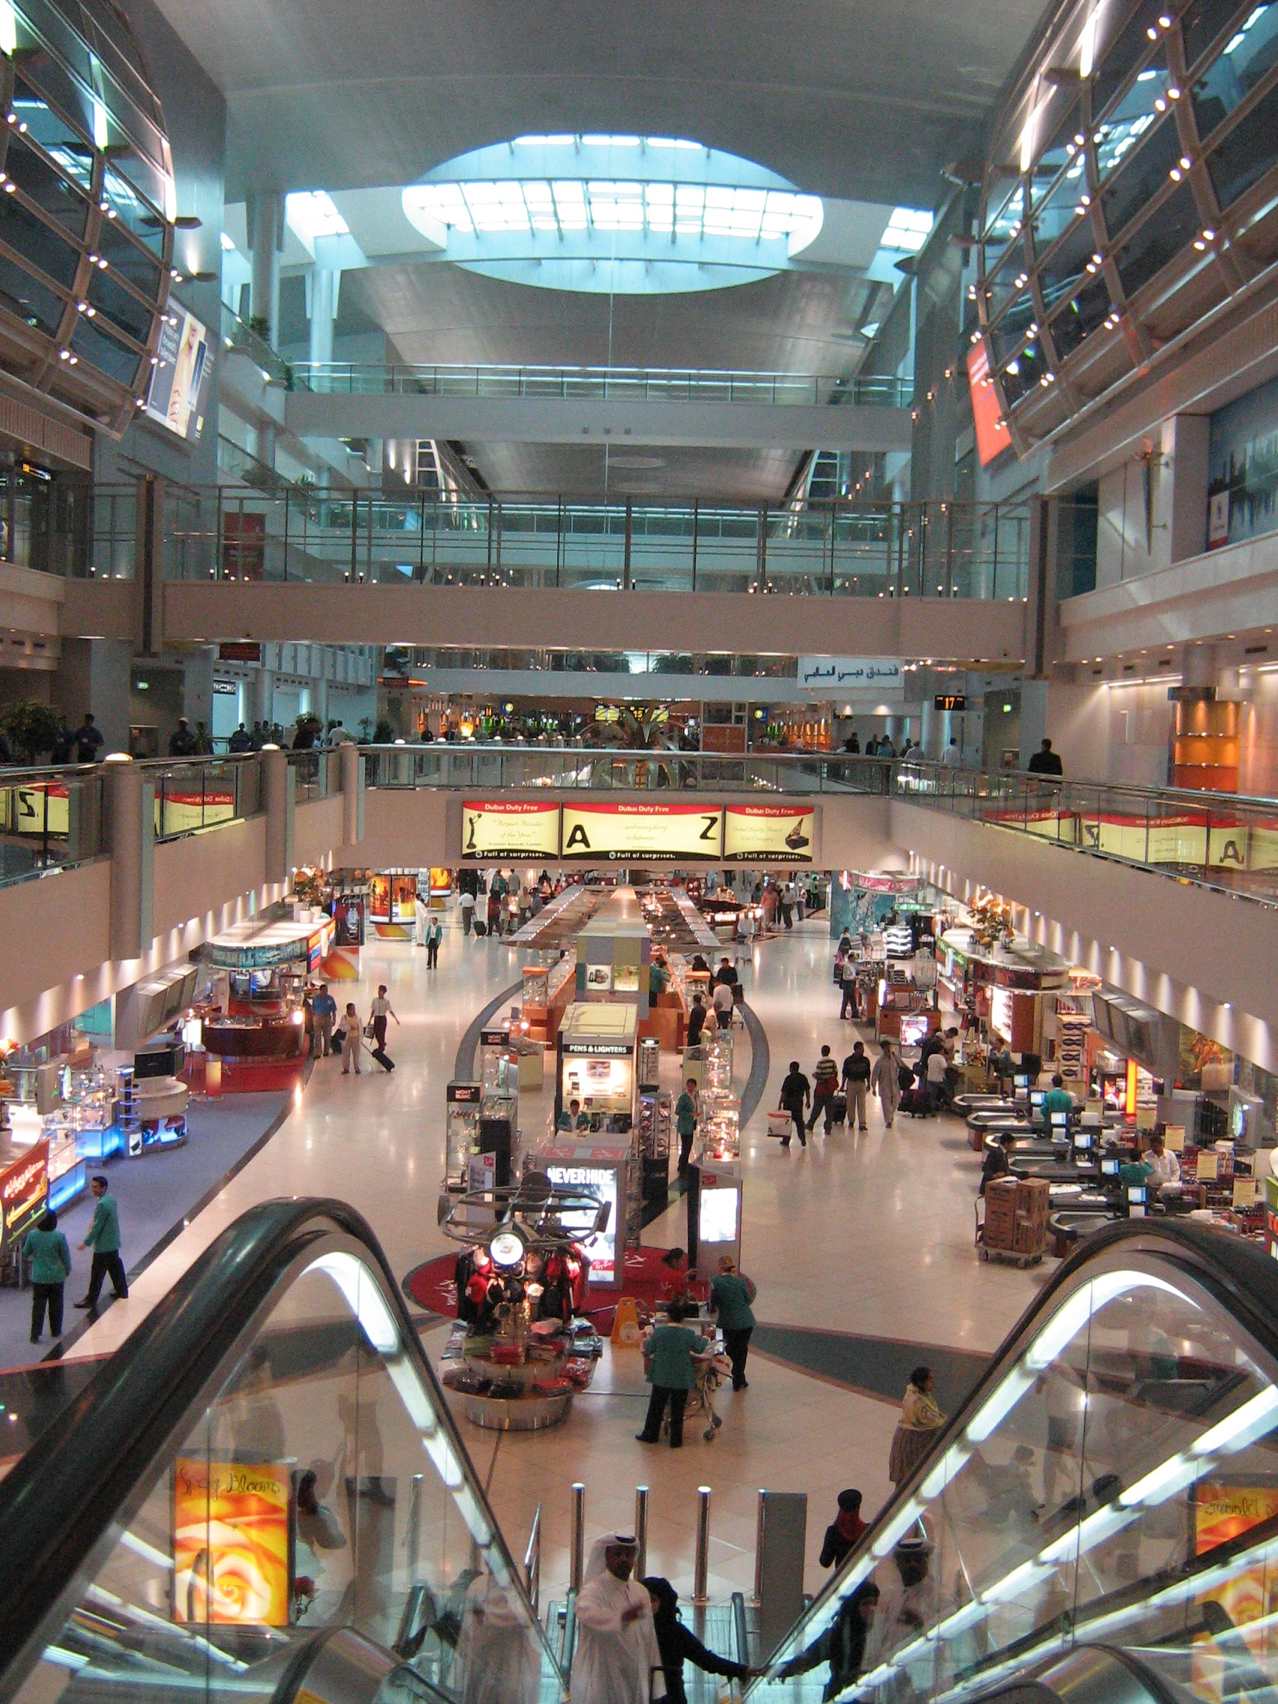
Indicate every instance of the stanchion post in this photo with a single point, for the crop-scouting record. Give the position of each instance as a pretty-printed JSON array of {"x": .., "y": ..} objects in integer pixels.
[
  {"x": 641, "y": 1530},
  {"x": 701, "y": 1570},
  {"x": 760, "y": 1527},
  {"x": 578, "y": 1560}
]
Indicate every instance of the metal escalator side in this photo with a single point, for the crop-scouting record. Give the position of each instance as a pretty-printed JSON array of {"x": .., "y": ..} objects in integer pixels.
[
  {"x": 1112, "y": 1479},
  {"x": 269, "y": 1457},
  {"x": 1087, "y": 1673}
]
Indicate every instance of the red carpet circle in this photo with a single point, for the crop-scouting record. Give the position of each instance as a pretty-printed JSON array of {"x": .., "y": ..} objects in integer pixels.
[{"x": 431, "y": 1286}]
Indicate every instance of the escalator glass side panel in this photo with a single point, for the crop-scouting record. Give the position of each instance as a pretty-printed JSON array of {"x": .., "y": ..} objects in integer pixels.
[
  {"x": 320, "y": 1487},
  {"x": 1115, "y": 1478}
]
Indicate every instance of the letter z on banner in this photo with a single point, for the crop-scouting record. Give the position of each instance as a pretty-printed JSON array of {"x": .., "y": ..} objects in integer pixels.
[{"x": 613, "y": 833}]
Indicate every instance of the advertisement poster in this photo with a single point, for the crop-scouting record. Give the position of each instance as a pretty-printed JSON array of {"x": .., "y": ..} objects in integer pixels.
[
  {"x": 602, "y": 1249},
  {"x": 992, "y": 436},
  {"x": 43, "y": 808},
  {"x": 509, "y": 828},
  {"x": 1221, "y": 1514},
  {"x": 231, "y": 1543},
  {"x": 243, "y": 546},
  {"x": 179, "y": 812},
  {"x": 348, "y": 920},
  {"x": 179, "y": 380},
  {"x": 648, "y": 833},
  {"x": 768, "y": 834},
  {"x": 24, "y": 1187}
]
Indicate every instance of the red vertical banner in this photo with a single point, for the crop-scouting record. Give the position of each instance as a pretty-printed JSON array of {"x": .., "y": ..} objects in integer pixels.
[{"x": 243, "y": 545}]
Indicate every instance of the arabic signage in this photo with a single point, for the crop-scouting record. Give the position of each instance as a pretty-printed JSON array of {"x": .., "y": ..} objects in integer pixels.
[
  {"x": 24, "y": 1188},
  {"x": 509, "y": 828},
  {"x": 840, "y": 676},
  {"x": 768, "y": 834},
  {"x": 654, "y": 833},
  {"x": 231, "y": 1543}
]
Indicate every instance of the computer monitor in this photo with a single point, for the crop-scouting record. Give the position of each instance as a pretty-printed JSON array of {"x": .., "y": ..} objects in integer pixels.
[
  {"x": 1109, "y": 1167},
  {"x": 1060, "y": 1121},
  {"x": 1083, "y": 1139},
  {"x": 1036, "y": 1099},
  {"x": 1137, "y": 1194},
  {"x": 1021, "y": 1081}
]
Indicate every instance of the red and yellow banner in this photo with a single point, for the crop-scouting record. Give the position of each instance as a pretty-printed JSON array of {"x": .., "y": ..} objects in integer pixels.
[{"x": 231, "y": 1560}]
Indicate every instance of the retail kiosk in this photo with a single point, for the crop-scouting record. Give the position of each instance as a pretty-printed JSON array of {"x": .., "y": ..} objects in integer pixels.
[{"x": 596, "y": 1062}]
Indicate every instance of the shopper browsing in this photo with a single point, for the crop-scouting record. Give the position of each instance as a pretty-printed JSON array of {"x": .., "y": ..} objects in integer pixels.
[
  {"x": 844, "y": 1533},
  {"x": 679, "y": 1645},
  {"x": 856, "y": 1083},
  {"x": 323, "y": 1014},
  {"x": 795, "y": 1093},
  {"x": 916, "y": 1430},
  {"x": 731, "y": 1296},
  {"x": 885, "y": 1082},
  {"x": 104, "y": 1240},
  {"x": 433, "y": 935},
  {"x": 669, "y": 1362},
  {"x": 617, "y": 1659},
  {"x": 722, "y": 1001},
  {"x": 380, "y": 1011},
  {"x": 352, "y": 1039},
  {"x": 46, "y": 1248},
  {"x": 696, "y": 1020},
  {"x": 1164, "y": 1167},
  {"x": 825, "y": 1084}
]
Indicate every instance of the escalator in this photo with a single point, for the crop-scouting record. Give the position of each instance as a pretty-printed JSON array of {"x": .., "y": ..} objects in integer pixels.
[
  {"x": 1099, "y": 1522},
  {"x": 263, "y": 1497}
]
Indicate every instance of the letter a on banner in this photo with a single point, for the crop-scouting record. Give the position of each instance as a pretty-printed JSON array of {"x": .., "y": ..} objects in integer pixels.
[{"x": 578, "y": 837}]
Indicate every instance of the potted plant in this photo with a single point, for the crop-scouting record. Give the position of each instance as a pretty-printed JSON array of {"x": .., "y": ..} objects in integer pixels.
[{"x": 32, "y": 728}]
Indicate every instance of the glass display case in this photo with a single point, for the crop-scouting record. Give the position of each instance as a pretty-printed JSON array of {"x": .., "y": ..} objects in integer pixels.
[
  {"x": 461, "y": 1131},
  {"x": 498, "y": 1065}
]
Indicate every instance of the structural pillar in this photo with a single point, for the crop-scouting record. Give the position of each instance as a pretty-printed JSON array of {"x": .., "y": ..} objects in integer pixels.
[
  {"x": 352, "y": 794},
  {"x": 130, "y": 802},
  {"x": 266, "y": 240},
  {"x": 278, "y": 797},
  {"x": 322, "y": 286}
]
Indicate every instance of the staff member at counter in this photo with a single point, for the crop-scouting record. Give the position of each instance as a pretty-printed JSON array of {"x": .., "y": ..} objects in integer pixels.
[{"x": 1164, "y": 1167}]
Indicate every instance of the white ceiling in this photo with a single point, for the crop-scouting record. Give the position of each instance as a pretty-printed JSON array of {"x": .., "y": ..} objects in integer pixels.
[{"x": 864, "y": 100}]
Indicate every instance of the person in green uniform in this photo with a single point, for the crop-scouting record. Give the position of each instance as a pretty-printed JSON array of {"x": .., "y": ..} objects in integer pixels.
[
  {"x": 1057, "y": 1099},
  {"x": 730, "y": 1296},
  {"x": 46, "y": 1248},
  {"x": 104, "y": 1240},
  {"x": 667, "y": 1361},
  {"x": 686, "y": 1122}
]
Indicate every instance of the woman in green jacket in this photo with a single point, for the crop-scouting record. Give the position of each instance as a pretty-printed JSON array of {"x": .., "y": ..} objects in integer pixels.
[
  {"x": 46, "y": 1248},
  {"x": 730, "y": 1297}
]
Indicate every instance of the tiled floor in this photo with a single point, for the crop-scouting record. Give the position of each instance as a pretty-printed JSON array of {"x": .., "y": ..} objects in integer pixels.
[{"x": 869, "y": 1234}]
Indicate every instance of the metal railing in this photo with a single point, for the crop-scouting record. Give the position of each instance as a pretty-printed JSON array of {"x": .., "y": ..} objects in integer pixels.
[
  {"x": 613, "y": 384},
  {"x": 1223, "y": 841},
  {"x": 238, "y": 335},
  {"x": 939, "y": 549}
]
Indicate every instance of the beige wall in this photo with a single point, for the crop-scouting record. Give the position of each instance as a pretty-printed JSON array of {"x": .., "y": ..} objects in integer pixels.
[{"x": 601, "y": 621}]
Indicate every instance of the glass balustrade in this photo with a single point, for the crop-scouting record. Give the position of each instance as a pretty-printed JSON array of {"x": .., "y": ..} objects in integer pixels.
[
  {"x": 927, "y": 550},
  {"x": 1109, "y": 1482}
]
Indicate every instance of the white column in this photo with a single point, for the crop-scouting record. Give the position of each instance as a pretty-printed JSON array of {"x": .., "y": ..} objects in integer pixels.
[
  {"x": 131, "y": 835},
  {"x": 266, "y": 240},
  {"x": 322, "y": 285},
  {"x": 277, "y": 794}
]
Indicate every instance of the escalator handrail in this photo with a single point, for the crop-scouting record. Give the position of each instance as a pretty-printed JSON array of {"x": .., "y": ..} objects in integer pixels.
[
  {"x": 1245, "y": 1277},
  {"x": 60, "y": 1501}
]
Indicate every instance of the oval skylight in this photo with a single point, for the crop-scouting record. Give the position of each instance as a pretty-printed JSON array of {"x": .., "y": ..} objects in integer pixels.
[{"x": 605, "y": 212}]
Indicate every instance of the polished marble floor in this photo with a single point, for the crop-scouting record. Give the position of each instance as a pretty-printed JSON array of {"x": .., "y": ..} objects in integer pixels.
[{"x": 862, "y": 1234}]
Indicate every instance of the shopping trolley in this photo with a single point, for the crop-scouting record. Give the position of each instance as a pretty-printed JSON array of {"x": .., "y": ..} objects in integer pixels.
[{"x": 710, "y": 1374}]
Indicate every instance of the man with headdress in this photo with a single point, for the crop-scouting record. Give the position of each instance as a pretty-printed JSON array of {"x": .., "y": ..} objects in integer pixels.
[{"x": 617, "y": 1657}]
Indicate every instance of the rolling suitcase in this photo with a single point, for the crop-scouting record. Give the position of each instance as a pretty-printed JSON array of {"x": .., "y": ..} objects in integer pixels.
[
  {"x": 839, "y": 1110},
  {"x": 917, "y": 1102},
  {"x": 481, "y": 928}
]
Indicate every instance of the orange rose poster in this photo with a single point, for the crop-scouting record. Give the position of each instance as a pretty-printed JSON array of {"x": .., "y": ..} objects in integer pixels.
[
  {"x": 1222, "y": 1514},
  {"x": 231, "y": 1560}
]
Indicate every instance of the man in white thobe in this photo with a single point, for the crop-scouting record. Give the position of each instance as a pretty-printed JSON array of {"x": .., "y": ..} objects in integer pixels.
[
  {"x": 421, "y": 916},
  {"x": 617, "y": 1658}
]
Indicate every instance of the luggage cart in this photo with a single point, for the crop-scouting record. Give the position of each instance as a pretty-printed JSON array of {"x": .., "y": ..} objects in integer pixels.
[{"x": 710, "y": 1375}]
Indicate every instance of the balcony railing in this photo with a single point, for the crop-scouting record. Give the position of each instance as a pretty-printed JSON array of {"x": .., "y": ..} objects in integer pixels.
[
  {"x": 1223, "y": 841},
  {"x": 53, "y": 818},
  {"x": 611, "y": 384}
]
